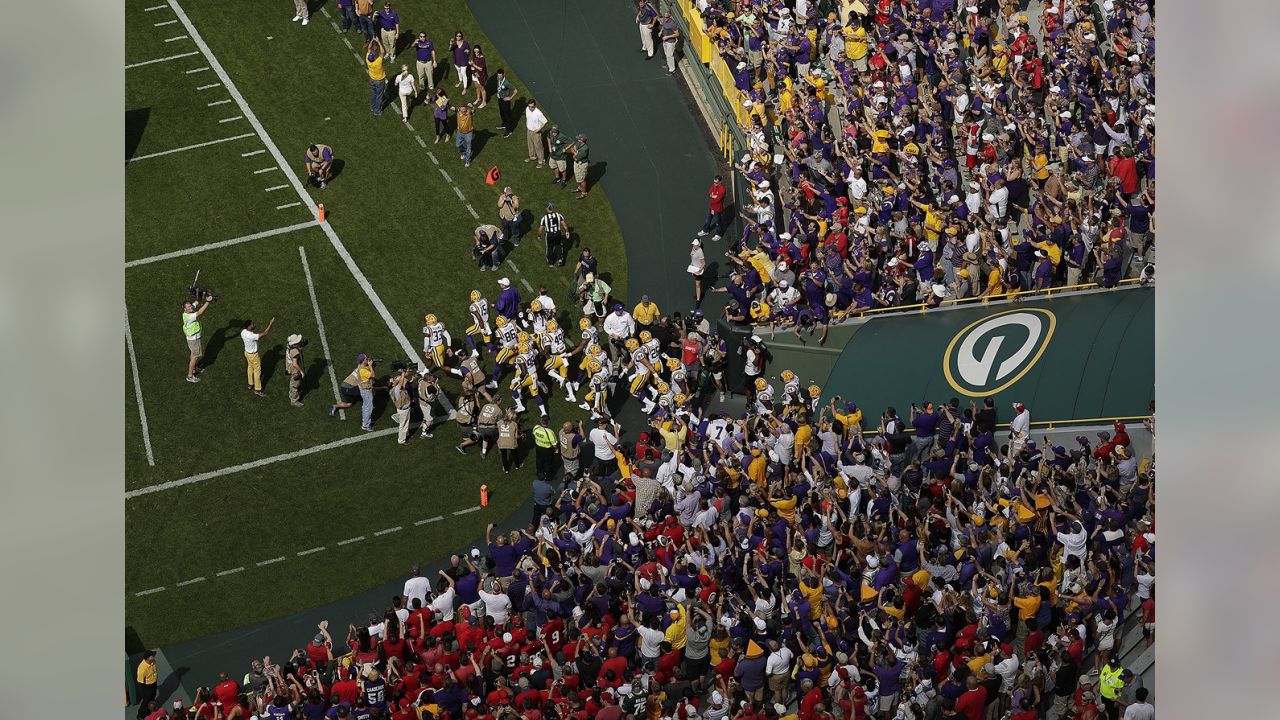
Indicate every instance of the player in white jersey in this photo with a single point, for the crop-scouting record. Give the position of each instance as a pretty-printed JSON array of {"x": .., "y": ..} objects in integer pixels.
[
  {"x": 597, "y": 397},
  {"x": 556, "y": 351},
  {"x": 478, "y": 310},
  {"x": 662, "y": 398},
  {"x": 508, "y": 338},
  {"x": 435, "y": 341},
  {"x": 537, "y": 317},
  {"x": 790, "y": 389},
  {"x": 764, "y": 397},
  {"x": 642, "y": 371},
  {"x": 526, "y": 378}
]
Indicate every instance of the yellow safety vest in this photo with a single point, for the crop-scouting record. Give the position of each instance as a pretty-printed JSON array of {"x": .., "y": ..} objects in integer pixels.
[
  {"x": 190, "y": 324},
  {"x": 1109, "y": 682},
  {"x": 543, "y": 437}
]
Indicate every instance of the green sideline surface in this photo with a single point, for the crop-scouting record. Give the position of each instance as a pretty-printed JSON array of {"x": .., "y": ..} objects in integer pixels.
[{"x": 409, "y": 234}]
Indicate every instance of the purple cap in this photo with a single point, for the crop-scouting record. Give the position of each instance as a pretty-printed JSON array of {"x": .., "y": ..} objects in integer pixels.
[{"x": 361, "y": 358}]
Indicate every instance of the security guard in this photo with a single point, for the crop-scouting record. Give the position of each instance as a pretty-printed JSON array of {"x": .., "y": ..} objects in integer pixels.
[
  {"x": 358, "y": 388},
  {"x": 545, "y": 442},
  {"x": 293, "y": 364},
  {"x": 1111, "y": 680},
  {"x": 191, "y": 329},
  {"x": 146, "y": 679}
]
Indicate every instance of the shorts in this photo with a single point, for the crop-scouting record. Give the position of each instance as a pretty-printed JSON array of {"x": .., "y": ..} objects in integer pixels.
[
  {"x": 487, "y": 432},
  {"x": 570, "y": 465},
  {"x": 559, "y": 165},
  {"x": 193, "y": 344},
  {"x": 580, "y": 172},
  {"x": 349, "y": 394}
]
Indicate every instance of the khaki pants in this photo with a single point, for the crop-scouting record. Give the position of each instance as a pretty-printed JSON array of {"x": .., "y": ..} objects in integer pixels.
[
  {"x": 536, "y": 147},
  {"x": 388, "y": 39},
  {"x": 646, "y": 39},
  {"x": 1073, "y": 276},
  {"x": 295, "y": 388},
  {"x": 426, "y": 75},
  {"x": 300, "y": 8},
  {"x": 402, "y": 416},
  {"x": 425, "y": 407},
  {"x": 254, "y": 369}
]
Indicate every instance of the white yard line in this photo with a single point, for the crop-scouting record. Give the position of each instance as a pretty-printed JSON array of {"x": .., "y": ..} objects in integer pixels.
[
  {"x": 526, "y": 284},
  {"x": 166, "y": 22},
  {"x": 348, "y": 541},
  {"x": 324, "y": 339},
  {"x": 513, "y": 266},
  {"x": 325, "y": 11},
  {"x": 192, "y": 581},
  {"x": 421, "y": 142},
  {"x": 445, "y": 173},
  {"x": 303, "y": 553},
  {"x": 274, "y": 188},
  {"x": 177, "y": 38},
  {"x": 221, "y": 244},
  {"x": 191, "y": 147},
  {"x": 350, "y": 262},
  {"x": 286, "y": 206},
  {"x": 216, "y": 103},
  {"x": 161, "y": 487},
  {"x": 468, "y": 510},
  {"x": 272, "y": 561},
  {"x": 475, "y": 215},
  {"x": 264, "y": 170},
  {"x": 197, "y": 70},
  {"x": 335, "y": 26},
  {"x": 137, "y": 390},
  {"x": 149, "y": 592},
  {"x": 233, "y": 118},
  {"x": 429, "y": 520},
  {"x": 433, "y": 157},
  {"x": 388, "y": 531},
  {"x": 232, "y": 571},
  {"x": 251, "y": 153},
  {"x": 349, "y": 45},
  {"x": 406, "y": 124},
  {"x": 153, "y": 8},
  {"x": 160, "y": 60},
  {"x": 209, "y": 86},
  {"x": 461, "y": 197}
]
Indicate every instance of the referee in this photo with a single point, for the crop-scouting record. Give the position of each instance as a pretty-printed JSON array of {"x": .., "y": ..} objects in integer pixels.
[{"x": 553, "y": 229}]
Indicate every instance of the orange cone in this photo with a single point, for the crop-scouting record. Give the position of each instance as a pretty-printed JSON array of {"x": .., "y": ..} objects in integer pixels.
[
  {"x": 320, "y": 212},
  {"x": 484, "y": 496}
]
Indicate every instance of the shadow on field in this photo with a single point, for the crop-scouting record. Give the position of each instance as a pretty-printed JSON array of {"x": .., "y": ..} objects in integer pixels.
[
  {"x": 135, "y": 124},
  {"x": 312, "y": 375},
  {"x": 595, "y": 171},
  {"x": 270, "y": 359},
  {"x": 219, "y": 339},
  {"x": 479, "y": 140}
]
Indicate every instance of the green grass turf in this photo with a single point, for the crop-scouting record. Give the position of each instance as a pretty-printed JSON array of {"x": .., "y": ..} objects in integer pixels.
[{"x": 409, "y": 234}]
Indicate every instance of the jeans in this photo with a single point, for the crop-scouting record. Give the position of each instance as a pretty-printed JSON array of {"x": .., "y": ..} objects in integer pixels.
[
  {"x": 366, "y": 407},
  {"x": 378, "y": 87},
  {"x": 715, "y": 223},
  {"x": 511, "y": 230},
  {"x": 348, "y": 15},
  {"x": 463, "y": 141},
  {"x": 919, "y": 448},
  {"x": 365, "y": 24},
  {"x": 492, "y": 259}
]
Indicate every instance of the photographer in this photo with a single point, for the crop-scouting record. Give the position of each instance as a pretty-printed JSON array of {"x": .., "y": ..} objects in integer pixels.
[
  {"x": 293, "y": 365},
  {"x": 191, "y": 329},
  {"x": 509, "y": 213},
  {"x": 399, "y": 390},
  {"x": 486, "y": 432},
  {"x": 428, "y": 395},
  {"x": 358, "y": 388}
]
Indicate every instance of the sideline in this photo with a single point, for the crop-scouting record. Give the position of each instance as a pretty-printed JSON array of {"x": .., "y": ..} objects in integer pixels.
[
  {"x": 324, "y": 340},
  {"x": 192, "y": 147},
  {"x": 220, "y": 244},
  {"x": 137, "y": 389}
]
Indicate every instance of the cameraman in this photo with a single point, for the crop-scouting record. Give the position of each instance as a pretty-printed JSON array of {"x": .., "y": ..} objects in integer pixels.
[
  {"x": 293, "y": 365},
  {"x": 509, "y": 213},
  {"x": 191, "y": 328},
  {"x": 358, "y": 388}
]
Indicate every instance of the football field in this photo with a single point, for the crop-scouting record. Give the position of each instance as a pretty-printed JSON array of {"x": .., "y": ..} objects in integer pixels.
[{"x": 241, "y": 508}]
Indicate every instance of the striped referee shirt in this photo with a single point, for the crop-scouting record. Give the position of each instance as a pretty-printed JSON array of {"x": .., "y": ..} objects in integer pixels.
[{"x": 552, "y": 223}]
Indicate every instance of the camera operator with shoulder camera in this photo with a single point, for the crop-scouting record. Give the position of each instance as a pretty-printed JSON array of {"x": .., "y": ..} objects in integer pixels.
[
  {"x": 191, "y": 312},
  {"x": 358, "y": 388},
  {"x": 293, "y": 365}
]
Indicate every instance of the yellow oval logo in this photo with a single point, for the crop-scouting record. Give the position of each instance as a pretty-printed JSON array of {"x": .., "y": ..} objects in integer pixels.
[{"x": 995, "y": 352}]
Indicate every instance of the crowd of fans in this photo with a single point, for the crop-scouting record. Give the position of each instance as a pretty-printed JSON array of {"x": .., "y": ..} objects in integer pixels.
[
  {"x": 915, "y": 152},
  {"x": 781, "y": 564}
]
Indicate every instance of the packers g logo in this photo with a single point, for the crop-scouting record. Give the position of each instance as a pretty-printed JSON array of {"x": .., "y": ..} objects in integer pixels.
[{"x": 996, "y": 351}]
